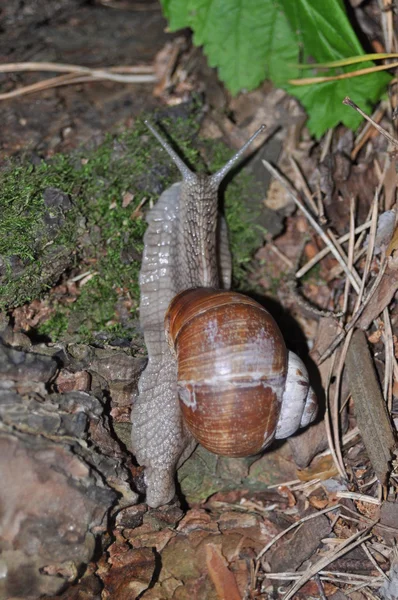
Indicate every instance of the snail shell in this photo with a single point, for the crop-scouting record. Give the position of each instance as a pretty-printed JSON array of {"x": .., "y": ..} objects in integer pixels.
[{"x": 232, "y": 367}]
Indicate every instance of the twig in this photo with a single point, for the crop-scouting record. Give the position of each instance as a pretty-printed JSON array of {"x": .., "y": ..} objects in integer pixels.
[
  {"x": 283, "y": 484},
  {"x": 328, "y": 424},
  {"x": 326, "y": 144},
  {"x": 351, "y": 243},
  {"x": 368, "y": 483},
  {"x": 312, "y": 221},
  {"x": 302, "y": 300},
  {"x": 320, "y": 587},
  {"x": 347, "y": 546},
  {"x": 280, "y": 254},
  {"x": 358, "y": 310},
  {"x": 343, "y": 255},
  {"x": 338, "y": 576},
  {"x": 342, "y": 357},
  {"x": 362, "y": 519},
  {"x": 319, "y": 203},
  {"x": 303, "y": 520},
  {"x": 304, "y": 485},
  {"x": 371, "y": 245},
  {"x": 42, "y": 85},
  {"x": 335, "y": 405},
  {"x": 73, "y": 74},
  {"x": 373, "y": 561},
  {"x": 389, "y": 355},
  {"x": 306, "y": 189},
  {"x": 356, "y": 315},
  {"x": 351, "y": 60},
  {"x": 81, "y": 276},
  {"x": 367, "y": 131},
  {"x": 358, "y": 497},
  {"x": 325, "y": 251},
  {"x": 380, "y": 129},
  {"x": 386, "y": 18},
  {"x": 349, "y": 75},
  {"x": 111, "y": 73}
]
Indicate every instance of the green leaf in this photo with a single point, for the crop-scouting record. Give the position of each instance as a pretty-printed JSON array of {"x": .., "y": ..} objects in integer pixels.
[
  {"x": 248, "y": 41},
  {"x": 283, "y": 53},
  {"x": 323, "y": 101},
  {"x": 177, "y": 13},
  {"x": 322, "y": 28},
  {"x": 325, "y": 33},
  {"x": 251, "y": 40}
]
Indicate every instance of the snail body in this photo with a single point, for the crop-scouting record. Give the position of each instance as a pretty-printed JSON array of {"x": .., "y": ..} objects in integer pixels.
[{"x": 186, "y": 247}]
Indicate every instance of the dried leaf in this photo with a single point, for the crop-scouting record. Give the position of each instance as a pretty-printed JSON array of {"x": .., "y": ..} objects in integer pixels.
[
  {"x": 224, "y": 581},
  {"x": 384, "y": 293},
  {"x": 292, "y": 552},
  {"x": 324, "y": 468},
  {"x": 131, "y": 573},
  {"x": 385, "y": 231},
  {"x": 393, "y": 245}
]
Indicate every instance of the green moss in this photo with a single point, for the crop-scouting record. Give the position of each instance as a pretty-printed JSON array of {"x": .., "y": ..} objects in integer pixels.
[
  {"x": 100, "y": 234},
  {"x": 245, "y": 236},
  {"x": 24, "y": 241},
  {"x": 314, "y": 276},
  {"x": 55, "y": 327},
  {"x": 17, "y": 227}
]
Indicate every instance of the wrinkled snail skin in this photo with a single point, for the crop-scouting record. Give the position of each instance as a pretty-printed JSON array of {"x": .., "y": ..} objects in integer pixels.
[
  {"x": 185, "y": 245},
  {"x": 256, "y": 378}
]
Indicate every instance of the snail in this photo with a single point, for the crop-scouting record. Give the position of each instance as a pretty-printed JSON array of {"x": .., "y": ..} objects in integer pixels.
[{"x": 184, "y": 280}]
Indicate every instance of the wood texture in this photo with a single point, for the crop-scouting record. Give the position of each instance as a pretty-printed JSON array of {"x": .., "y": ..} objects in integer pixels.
[{"x": 371, "y": 412}]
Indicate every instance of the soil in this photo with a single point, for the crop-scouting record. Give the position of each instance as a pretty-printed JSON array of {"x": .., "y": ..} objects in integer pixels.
[{"x": 74, "y": 32}]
